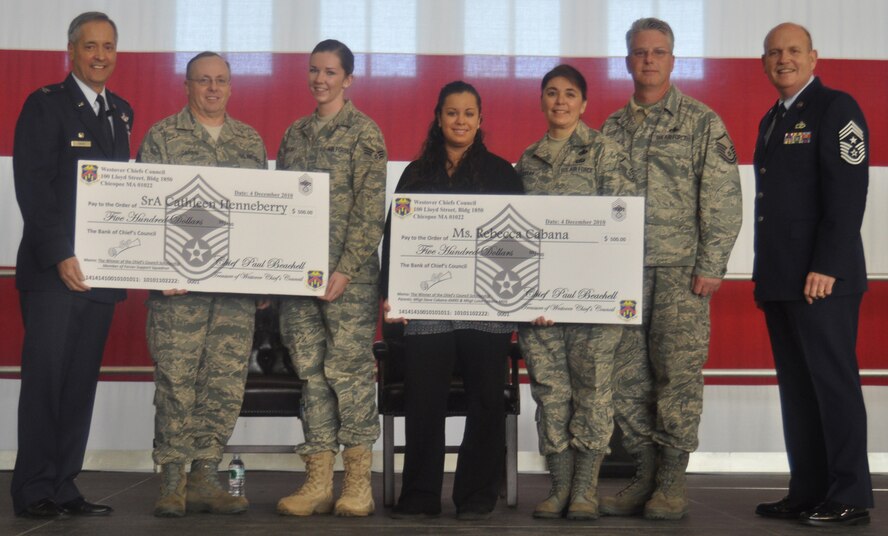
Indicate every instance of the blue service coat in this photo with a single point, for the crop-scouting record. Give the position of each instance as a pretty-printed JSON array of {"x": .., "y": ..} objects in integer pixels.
[
  {"x": 56, "y": 128},
  {"x": 811, "y": 182}
]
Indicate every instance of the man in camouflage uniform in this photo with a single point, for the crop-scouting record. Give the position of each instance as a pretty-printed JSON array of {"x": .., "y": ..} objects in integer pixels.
[
  {"x": 685, "y": 163},
  {"x": 330, "y": 338},
  {"x": 571, "y": 365},
  {"x": 200, "y": 342}
]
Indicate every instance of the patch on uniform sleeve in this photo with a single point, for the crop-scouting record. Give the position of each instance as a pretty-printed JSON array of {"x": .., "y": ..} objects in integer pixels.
[
  {"x": 375, "y": 155},
  {"x": 725, "y": 149},
  {"x": 852, "y": 149}
]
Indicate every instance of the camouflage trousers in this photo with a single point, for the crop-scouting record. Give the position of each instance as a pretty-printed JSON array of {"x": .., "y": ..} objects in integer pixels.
[
  {"x": 571, "y": 370},
  {"x": 200, "y": 344},
  {"x": 331, "y": 345},
  {"x": 658, "y": 371}
]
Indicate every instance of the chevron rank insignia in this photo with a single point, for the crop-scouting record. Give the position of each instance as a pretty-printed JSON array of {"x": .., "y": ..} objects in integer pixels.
[
  {"x": 725, "y": 149},
  {"x": 852, "y": 149}
]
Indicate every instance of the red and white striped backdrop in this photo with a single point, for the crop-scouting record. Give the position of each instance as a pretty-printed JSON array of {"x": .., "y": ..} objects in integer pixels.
[{"x": 407, "y": 49}]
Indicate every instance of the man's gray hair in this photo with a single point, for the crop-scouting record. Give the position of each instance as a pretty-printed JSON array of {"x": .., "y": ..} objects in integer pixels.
[
  {"x": 650, "y": 23},
  {"x": 83, "y": 18},
  {"x": 202, "y": 55}
]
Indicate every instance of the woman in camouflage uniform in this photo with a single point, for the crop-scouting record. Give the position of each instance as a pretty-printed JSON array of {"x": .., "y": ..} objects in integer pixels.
[
  {"x": 330, "y": 338},
  {"x": 570, "y": 365}
]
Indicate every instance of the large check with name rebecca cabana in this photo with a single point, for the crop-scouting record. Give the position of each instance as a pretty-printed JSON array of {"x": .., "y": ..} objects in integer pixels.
[{"x": 495, "y": 257}]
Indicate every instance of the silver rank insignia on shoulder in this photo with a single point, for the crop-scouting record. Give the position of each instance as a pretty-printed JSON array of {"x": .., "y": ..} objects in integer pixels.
[{"x": 852, "y": 149}]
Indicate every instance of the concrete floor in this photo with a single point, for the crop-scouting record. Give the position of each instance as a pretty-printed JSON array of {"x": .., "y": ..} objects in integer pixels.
[{"x": 720, "y": 505}]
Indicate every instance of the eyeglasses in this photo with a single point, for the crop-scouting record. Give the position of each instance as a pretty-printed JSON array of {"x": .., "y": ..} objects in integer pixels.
[
  {"x": 206, "y": 81},
  {"x": 657, "y": 53}
]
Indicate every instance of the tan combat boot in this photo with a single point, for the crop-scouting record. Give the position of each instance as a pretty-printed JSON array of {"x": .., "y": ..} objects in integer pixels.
[
  {"x": 316, "y": 494},
  {"x": 561, "y": 468},
  {"x": 204, "y": 493},
  {"x": 630, "y": 500},
  {"x": 584, "y": 488},
  {"x": 669, "y": 500},
  {"x": 357, "y": 497},
  {"x": 171, "y": 502}
]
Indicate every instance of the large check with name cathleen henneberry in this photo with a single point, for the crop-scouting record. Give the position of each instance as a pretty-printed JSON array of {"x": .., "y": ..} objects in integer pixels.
[
  {"x": 495, "y": 257},
  {"x": 209, "y": 229}
]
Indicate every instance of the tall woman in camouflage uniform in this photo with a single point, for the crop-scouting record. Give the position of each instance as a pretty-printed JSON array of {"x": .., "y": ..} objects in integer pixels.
[
  {"x": 570, "y": 365},
  {"x": 454, "y": 160},
  {"x": 330, "y": 338}
]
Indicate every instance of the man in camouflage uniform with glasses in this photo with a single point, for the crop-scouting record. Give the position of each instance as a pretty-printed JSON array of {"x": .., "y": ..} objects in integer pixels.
[
  {"x": 685, "y": 164},
  {"x": 200, "y": 342}
]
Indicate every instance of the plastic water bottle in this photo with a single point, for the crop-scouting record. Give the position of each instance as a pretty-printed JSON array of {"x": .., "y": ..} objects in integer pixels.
[{"x": 237, "y": 476}]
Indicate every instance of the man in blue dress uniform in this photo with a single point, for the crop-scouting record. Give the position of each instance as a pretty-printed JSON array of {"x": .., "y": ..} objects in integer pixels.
[
  {"x": 811, "y": 174},
  {"x": 66, "y": 322}
]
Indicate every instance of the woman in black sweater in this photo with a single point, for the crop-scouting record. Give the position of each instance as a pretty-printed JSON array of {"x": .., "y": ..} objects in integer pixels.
[{"x": 454, "y": 160}]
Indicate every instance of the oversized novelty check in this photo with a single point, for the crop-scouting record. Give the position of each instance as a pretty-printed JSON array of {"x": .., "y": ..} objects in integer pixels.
[
  {"x": 210, "y": 229},
  {"x": 497, "y": 257}
]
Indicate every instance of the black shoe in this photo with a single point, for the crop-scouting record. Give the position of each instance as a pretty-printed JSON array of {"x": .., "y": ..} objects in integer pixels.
[
  {"x": 473, "y": 514},
  {"x": 783, "y": 509},
  {"x": 43, "y": 509},
  {"x": 405, "y": 512},
  {"x": 831, "y": 513},
  {"x": 79, "y": 507}
]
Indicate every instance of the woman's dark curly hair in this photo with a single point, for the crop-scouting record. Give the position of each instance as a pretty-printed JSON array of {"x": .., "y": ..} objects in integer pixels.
[{"x": 433, "y": 156}]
